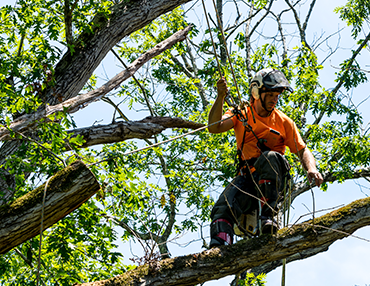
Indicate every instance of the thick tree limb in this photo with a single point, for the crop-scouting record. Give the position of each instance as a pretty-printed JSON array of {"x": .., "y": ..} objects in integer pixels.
[
  {"x": 120, "y": 131},
  {"x": 268, "y": 267},
  {"x": 66, "y": 191},
  {"x": 27, "y": 121},
  {"x": 74, "y": 69},
  {"x": 228, "y": 260}
]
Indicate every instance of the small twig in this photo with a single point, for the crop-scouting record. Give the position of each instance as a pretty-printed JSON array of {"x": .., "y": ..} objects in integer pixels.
[
  {"x": 40, "y": 145},
  {"x": 309, "y": 213},
  {"x": 313, "y": 209}
]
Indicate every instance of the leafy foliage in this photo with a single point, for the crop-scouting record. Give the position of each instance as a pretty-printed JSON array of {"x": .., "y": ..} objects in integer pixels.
[
  {"x": 168, "y": 190},
  {"x": 355, "y": 13},
  {"x": 252, "y": 280}
]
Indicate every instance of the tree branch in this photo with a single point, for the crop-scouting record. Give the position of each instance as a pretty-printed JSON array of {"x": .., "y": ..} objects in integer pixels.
[
  {"x": 329, "y": 177},
  {"x": 68, "y": 23},
  {"x": 67, "y": 190},
  {"x": 228, "y": 260},
  {"x": 302, "y": 30},
  {"x": 121, "y": 131},
  {"x": 72, "y": 105},
  {"x": 91, "y": 47}
]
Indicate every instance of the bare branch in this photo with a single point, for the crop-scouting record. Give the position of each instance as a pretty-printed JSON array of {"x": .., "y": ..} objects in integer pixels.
[
  {"x": 121, "y": 131},
  {"x": 329, "y": 177},
  {"x": 304, "y": 27},
  {"x": 302, "y": 30}
]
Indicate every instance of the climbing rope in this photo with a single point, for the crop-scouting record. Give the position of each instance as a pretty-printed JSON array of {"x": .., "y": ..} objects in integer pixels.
[
  {"x": 226, "y": 50},
  {"x": 162, "y": 142},
  {"x": 230, "y": 103},
  {"x": 41, "y": 230}
]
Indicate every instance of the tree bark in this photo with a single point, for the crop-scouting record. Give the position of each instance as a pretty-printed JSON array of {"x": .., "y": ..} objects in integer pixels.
[
  {"x": 65, "y": 191},
  {"x": 121, "y": 131},
  {"x": 74, "y": 69},
  {"x": 229, "y": 260}
]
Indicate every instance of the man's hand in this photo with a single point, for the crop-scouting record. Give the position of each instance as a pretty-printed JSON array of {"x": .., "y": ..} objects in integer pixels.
[
  {"x": 222, "y": 87},
  {"x": 215, "y": 114},
  {"x": 315, "y": 175},
  {"x": 309, "y": 164}
]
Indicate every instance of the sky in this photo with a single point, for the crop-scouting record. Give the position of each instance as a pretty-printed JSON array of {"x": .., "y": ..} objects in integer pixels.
[{"x": 347, "y": 262}]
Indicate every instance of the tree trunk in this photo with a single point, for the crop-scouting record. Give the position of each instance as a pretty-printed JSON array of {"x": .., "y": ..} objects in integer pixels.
[
  {"x": 73, "y": 71},
  {"x": 228, "y": 260},
  {"x": 65, "y": 191}
]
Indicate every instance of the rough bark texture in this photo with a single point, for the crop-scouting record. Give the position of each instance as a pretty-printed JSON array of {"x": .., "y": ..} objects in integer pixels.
[
  {"x": 120, "y": 131},
  {"x": 228, "y": 260},
  {"x": 172, "y": 122},
  {"x": 268, "y": 267},
  {"x": 73, "y": 71},
  {"x": 66, "y": 191}
]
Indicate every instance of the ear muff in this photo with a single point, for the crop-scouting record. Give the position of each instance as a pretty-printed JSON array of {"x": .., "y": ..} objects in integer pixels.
[{"x": 254, "y": 91}]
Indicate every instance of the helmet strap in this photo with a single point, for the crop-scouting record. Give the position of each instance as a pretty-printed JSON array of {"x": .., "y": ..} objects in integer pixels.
[{"x": 264, "y": 104}]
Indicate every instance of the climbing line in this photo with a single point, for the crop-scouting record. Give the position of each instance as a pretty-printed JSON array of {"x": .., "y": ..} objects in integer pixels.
[
  {"x": 243, "y": 104},
  {"x": 227, "y": 52},
  {"x": 162, "y": 142},
  {"x": 41, "y": 230},
  {"x": 213, "y": 43},
  {"x": 232, "y": 102}
]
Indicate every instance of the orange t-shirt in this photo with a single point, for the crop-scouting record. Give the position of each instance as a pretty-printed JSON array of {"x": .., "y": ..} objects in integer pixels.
[{"x": 278, "y": 129}]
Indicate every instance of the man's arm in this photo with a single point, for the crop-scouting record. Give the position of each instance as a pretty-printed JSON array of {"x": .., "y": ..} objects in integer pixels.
[
  {"x": 309, "y": 163},
  {"x": 215, "y": 114}
]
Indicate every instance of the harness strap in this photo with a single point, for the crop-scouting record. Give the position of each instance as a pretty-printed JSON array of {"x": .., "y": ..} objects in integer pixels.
[{"x": 260, "y": 142}]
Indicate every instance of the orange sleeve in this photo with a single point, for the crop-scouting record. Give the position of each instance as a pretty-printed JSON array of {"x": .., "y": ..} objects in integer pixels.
[
  {"x": 293, "y": 139},
  {"x": 230, "y": 113}
]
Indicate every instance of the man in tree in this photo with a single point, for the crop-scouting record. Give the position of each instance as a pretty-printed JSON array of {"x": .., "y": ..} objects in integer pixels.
[{"x": 262, "y": 136}]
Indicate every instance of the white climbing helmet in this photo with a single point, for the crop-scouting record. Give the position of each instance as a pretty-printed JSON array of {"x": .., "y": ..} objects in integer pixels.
[{"x": 271, "y": 79}]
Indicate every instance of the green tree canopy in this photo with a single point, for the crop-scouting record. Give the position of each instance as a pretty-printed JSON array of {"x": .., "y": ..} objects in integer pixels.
[{"x": 50, "y": 51}]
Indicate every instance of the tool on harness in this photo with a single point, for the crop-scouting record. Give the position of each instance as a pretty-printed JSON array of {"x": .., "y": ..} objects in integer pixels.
[
  {"x": 261, "y": 220},
  {"x": 248, "y": 225}
]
